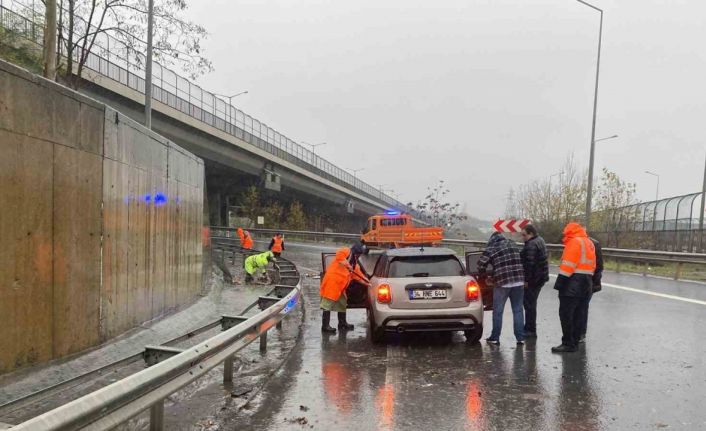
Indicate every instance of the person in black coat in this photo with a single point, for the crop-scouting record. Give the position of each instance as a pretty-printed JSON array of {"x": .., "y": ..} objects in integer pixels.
[
  {"x": 597, "y": 276},
  {"x": 536, "y": 266}
]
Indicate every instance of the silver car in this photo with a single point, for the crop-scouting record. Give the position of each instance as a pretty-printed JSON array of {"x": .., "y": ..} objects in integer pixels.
[{"x": 417, "y": 289}]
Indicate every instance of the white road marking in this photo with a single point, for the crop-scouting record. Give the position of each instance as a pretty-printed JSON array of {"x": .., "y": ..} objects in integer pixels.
[
  {"x": 661, "y": 295},
  {"x": 649, "y": 292}
]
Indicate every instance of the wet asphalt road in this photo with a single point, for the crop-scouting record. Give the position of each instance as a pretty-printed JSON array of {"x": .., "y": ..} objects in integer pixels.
[{"x": 641, "y": 369}]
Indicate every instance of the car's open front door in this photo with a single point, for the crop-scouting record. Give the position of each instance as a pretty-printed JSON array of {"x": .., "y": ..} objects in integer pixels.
[
  {"x": 485, "y": 282},
  {"x": 357, "y": 293}
]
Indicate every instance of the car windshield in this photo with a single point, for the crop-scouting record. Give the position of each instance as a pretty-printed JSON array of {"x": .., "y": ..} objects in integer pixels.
[{"x": 425, "y": 266}]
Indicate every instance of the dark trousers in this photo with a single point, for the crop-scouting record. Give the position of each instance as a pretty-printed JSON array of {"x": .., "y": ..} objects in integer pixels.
[
  {"x": 584, "y": 315},
  {"x": 572, "y": 315},
  {"x": 530, "y": 303}
]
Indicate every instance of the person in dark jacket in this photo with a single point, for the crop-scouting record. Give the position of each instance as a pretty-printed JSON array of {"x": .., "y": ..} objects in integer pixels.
[
  {"x": 597, "y": 276},
  {"x": 277, "y": 244},
  {"x": 536, "y": 266},
  {"x": 509, "y": 280}
]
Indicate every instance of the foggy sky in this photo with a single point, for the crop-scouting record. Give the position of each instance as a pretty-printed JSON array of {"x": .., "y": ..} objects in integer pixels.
[{"x": 485, "y": 94}]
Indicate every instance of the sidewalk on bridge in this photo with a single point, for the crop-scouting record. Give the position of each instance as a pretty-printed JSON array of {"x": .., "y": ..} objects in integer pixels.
[{"x": 221, "y": 299}]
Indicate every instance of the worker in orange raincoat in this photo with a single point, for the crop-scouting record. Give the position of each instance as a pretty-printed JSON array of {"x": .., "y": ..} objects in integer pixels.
[
  {"x": 246, "y": 240},
  {"x": 277, "y": 244},
  {"x": 339, "y": 274},
  {"x": 575, "y": 284}
]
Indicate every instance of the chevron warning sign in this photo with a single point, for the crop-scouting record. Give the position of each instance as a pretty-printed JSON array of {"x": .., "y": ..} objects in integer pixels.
[{"x": 510, "y": 225}]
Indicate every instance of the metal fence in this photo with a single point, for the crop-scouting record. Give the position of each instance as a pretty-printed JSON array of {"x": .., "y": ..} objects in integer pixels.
[
  {"x": 670, "y": 224},
  {"x": 110, "y": 59}
]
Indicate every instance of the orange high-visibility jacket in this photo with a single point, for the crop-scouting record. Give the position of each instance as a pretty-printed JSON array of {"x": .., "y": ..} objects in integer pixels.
[
  {"x": 277, "y": 244},
  {"x": 337, "y": 276},
  {"x": 579, "y": 256},
  {"x": 247, "y": 242}
]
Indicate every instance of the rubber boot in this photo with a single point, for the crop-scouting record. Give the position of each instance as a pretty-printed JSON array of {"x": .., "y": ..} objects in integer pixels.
[
  {"x": 326, "y": 323},
  {"x": 342, "y": 324}
]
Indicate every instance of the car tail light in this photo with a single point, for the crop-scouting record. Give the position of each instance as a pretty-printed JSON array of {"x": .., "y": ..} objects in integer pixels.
[
  {"x": 472, "y": 291},
  {"x": 384, "y": 295}
]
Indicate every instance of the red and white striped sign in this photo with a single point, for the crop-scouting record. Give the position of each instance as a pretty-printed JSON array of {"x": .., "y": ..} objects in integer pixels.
[{"x": 510, "y": 225}]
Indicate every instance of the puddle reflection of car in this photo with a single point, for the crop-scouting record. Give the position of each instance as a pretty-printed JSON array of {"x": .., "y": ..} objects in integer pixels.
[{"x": 416, "y": 289}]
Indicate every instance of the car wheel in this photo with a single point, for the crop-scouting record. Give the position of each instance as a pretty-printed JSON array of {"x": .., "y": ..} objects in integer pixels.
[
  {"x": 377, "y": 335},
  {"x": 474, "y": 335}
]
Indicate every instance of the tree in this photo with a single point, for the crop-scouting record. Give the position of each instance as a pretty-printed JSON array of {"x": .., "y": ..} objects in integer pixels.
[
  {"x": 50, "y": 29},
  {"x": 296, "y": 220},
  {"x": 272, "y": 214},
  {"x": 435, "y": 206},
  {"x": 119, "y": 28},
  {"x": 549, "y": 206},
  {"x": 612, "y": 198},
  {"x": 251, "y": 203}
]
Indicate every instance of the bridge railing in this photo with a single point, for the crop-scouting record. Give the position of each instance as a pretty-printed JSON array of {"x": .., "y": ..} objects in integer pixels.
[
  {"x": 181, "y": 94},
  {"x": 117, "y": 403}
]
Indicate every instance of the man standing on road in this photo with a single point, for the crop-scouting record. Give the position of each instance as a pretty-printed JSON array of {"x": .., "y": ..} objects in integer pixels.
[
  {"x": 597, "y": 276},
  {"x": 277, "y": 244},
  {"x": 509, "y": 279},
  {"x": 536, "y": 266},
  {"x": 574, "y": 283}
]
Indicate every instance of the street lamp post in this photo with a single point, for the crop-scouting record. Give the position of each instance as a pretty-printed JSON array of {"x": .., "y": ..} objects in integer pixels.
[
  {"x": 313, "y": 146},
  {"x": 355, "y": 177},
  {"x": 229, "y": 117},
  {"x": 701, "y": 213},
  {"x": 655, "y": 175},
  {"x": 148, "y": 65},
  {"x": 589, "y": 190}
]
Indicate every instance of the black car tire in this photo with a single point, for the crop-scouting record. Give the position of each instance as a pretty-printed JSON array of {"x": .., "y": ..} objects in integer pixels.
[
  {"x": 474, "y": 335},
  {"x": 377, "y": 335}
]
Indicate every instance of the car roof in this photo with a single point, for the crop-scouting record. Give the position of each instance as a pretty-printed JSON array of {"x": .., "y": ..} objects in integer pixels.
[{"x": 418, "y": 251}]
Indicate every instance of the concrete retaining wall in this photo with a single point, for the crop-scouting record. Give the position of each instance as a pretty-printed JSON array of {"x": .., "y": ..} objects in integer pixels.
[{"x": 100, "y": 222}]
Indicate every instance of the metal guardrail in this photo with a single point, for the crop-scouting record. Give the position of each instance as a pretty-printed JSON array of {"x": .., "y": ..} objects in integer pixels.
[
  {"x": 115, "y": 404},
  {"x": 618, "y": 254}
]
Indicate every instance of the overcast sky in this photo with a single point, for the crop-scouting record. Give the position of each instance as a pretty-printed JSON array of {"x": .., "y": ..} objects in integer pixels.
[{"x": 485, "y": 94}]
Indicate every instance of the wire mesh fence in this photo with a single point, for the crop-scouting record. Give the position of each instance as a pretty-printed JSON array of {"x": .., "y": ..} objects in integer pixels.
[
  {"x": 670, "y": 224},
  {"x": 110, "y": 59}
]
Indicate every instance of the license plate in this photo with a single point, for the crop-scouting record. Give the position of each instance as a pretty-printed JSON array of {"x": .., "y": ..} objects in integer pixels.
[{"x": 427, "y": 294}]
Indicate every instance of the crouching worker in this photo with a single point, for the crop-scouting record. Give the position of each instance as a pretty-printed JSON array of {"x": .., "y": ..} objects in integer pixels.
[
  {"x": 257, "y": 265},
  {"x": 333, "y": 290}
]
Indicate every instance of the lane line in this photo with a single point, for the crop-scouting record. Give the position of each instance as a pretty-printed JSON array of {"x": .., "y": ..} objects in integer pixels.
[
  {"x": 649, "y": 292},
  {"x": 661, "y": 295}
]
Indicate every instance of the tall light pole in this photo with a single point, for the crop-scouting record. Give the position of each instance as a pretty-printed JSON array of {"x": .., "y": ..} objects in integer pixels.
[
  {"x": 603, "y": 139},
  {"x": 701, "y": 214},
  {"x": 230, "y": 103},
  {"x": 148, "y": 68},
  {"x": 550, "y": 200},
  {"x": 589, "y": 190},
  {"x": 355, "y": 177},
  {"x": 655, "y": 175},
  {"x": 313, "y": 146}
]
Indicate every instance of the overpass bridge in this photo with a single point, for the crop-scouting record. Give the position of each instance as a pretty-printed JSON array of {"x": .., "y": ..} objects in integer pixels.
[{"x": 232, "y": 144}]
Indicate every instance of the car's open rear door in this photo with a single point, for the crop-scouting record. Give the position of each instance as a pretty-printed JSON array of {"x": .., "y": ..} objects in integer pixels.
[
  {"x": 485, "y": 282},
  {"x": 357, "y": 293}
]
